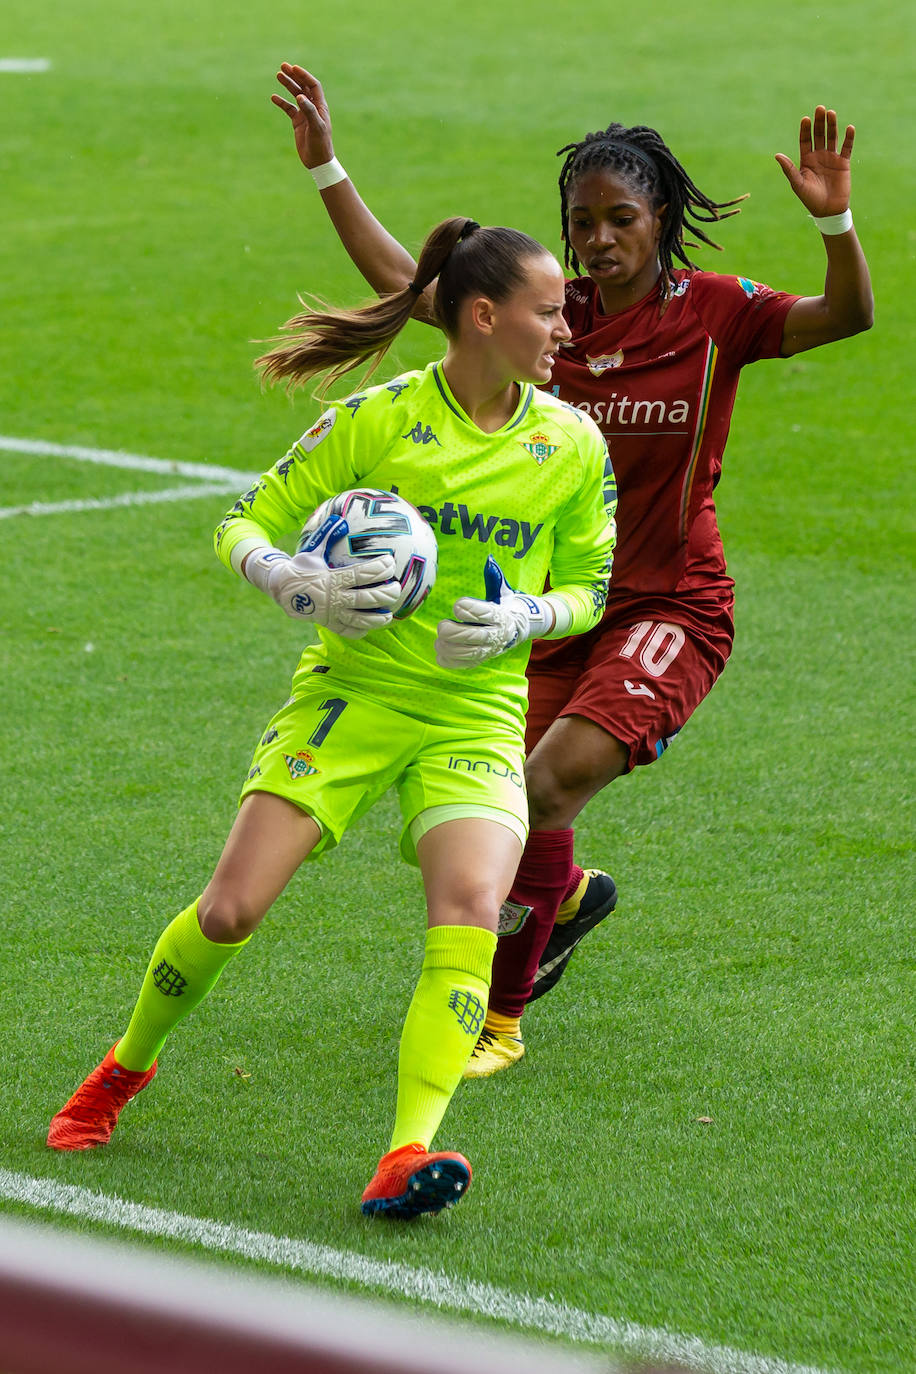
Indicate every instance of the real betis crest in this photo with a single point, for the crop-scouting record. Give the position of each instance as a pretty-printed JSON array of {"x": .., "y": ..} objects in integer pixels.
[
  {"x": 301, "y": 766},
  {"x": 540, "y": 447}
]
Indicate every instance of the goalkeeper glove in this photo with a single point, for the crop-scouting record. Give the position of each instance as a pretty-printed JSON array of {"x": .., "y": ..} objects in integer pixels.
[
  {"x": 483, "y": 629},
  {"x": 350, "y": 601}
]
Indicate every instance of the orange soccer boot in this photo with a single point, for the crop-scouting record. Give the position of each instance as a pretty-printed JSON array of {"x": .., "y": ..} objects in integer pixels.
[
  {"x": 92, "y": 1113},
  {"x": 410, "y": 1181}
]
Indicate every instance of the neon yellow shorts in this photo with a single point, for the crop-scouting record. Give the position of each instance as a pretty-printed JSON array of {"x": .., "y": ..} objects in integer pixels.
[{"x": 335, "y": 755}]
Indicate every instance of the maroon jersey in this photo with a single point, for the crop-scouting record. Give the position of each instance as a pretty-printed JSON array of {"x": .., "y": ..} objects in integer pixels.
[{"x": 661, "y": 389}]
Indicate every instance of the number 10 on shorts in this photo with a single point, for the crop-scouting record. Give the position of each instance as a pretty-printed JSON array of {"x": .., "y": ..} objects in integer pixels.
[{"x": 657, "y": 643}]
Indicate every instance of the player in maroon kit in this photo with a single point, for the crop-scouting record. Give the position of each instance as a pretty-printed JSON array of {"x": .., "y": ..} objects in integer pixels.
[{"x": 655, "y": 359}]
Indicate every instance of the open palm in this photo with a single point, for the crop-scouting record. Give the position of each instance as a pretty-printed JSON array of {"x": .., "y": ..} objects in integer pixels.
[{"x": 821, "y": 179}]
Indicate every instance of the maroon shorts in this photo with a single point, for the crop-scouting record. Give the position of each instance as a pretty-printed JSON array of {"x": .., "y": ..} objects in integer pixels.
[{"x": 640, "y": 674}]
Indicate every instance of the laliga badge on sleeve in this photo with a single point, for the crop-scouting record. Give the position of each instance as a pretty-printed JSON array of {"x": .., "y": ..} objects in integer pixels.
[{"x": 320, "y": 430}]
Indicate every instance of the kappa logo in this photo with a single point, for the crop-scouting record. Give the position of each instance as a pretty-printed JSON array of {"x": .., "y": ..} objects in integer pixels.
[
  {"x": 540, "y": 447},
  {"x": 239, "y": 510},
  {"x": 301, "y": 766},
  {"x": 603, "y": 362},
  {"x": 421, "y": 434},
  {"x": 320, "y": 430}
]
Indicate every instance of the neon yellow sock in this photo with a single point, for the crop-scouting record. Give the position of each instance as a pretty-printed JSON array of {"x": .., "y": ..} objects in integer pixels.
[
  {"x": 184, "y": 967},
  {"x": 443, "y": 1022}
]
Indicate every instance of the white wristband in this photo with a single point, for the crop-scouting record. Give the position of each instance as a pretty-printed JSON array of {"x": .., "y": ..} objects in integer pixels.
[
  {"x": 834, "y": 224},
  {"x": 242, "y": 550},
  {"x": 562, "y": 617},
  {"x": 328, "y": 174}
]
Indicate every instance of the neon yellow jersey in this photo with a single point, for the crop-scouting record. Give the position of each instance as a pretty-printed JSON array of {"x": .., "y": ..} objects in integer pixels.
[{"x": 538, "y": 495}]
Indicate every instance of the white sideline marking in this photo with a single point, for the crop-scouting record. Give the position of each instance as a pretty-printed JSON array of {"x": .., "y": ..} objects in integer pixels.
[
  {"x": 25, "y": 64},
  {"x": 127, "y": 498},
  {"x": 425, "y": 1285},
  {"x": 115, "y": 458},
  {"x": 212, "y": 480}
]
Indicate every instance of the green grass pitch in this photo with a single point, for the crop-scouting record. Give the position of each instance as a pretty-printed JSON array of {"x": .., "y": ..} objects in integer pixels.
[{"x": 760, "y": 969}]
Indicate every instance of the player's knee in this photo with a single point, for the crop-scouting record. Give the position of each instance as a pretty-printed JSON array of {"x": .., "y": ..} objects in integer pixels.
[
  {"x": 549, "y": 795},
  {"x": 226, "y": 916},
  {"x": 559, "y": 788},
  {"x": 469, "y": 906}
]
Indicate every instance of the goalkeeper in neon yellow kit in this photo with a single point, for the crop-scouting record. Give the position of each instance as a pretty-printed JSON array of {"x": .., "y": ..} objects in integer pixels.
[{"x": 518, "y": 489}]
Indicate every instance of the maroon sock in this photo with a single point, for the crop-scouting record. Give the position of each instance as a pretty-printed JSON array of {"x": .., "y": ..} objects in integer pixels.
[
  {"x": 541, "y": 882},
  {"x": 575, "y": 879}
]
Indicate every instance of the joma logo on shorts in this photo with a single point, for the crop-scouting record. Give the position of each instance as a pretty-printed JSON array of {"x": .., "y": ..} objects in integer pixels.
[
  {"x": 472, "y": 765},
  {"x": 508, "y": 534}
]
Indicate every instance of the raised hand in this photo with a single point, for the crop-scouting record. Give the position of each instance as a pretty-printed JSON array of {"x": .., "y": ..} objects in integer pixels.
[
  {"x": 821, "y": 179},
  {"x": 308, "y": 113}
]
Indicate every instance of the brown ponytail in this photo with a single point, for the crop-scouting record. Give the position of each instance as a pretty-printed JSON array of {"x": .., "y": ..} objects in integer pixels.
[
  {"x": 336, "y": 341},
  {"x": 466, "y": 259}
]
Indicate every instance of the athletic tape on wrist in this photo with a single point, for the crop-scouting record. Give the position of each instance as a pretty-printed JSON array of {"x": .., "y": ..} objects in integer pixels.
[
  {"x": 328, "y": 174},
  {"x": 834, "y": 224}
]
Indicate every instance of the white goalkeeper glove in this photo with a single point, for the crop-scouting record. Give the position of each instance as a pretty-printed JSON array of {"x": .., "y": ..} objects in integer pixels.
[
  {"x": 351, "y": 601},
  {"x": 483, "y": 629}
]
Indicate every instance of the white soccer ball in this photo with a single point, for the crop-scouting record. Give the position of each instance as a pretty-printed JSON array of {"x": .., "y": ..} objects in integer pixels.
[{"x": 381, "y": 522}]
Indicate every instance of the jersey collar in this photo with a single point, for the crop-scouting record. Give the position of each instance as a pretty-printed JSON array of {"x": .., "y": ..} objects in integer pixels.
[{"x": 524, "y": 401}]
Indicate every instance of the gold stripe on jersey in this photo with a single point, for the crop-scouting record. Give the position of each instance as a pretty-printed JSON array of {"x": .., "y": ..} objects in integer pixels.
[{"x": 709, "y": 367}]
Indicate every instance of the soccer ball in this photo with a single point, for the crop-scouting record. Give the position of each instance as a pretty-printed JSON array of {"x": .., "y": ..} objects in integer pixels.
[{"x": 381, "y": 522}]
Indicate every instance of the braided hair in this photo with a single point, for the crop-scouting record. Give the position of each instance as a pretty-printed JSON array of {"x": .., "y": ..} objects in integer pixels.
[{"x": 643, "y": 159}]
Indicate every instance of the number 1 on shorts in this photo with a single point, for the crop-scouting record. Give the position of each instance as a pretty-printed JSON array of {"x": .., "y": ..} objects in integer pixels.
[{"x": 334, "y": 707}]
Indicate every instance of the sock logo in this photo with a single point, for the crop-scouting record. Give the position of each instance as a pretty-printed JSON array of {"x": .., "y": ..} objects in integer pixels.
[
  {"x": 168, "y": 980},
  {"x": 469, "y": 1010},
  {"x": 512, "y": 916}
]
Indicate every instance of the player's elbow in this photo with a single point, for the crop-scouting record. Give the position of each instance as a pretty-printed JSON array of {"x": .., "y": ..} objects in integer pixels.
[
  {"x": 860, "y": 311},
  {"x": 858, "y": 317},
  {"x": 866, "y": 317},
  {"x": 855, "y": 319}
]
